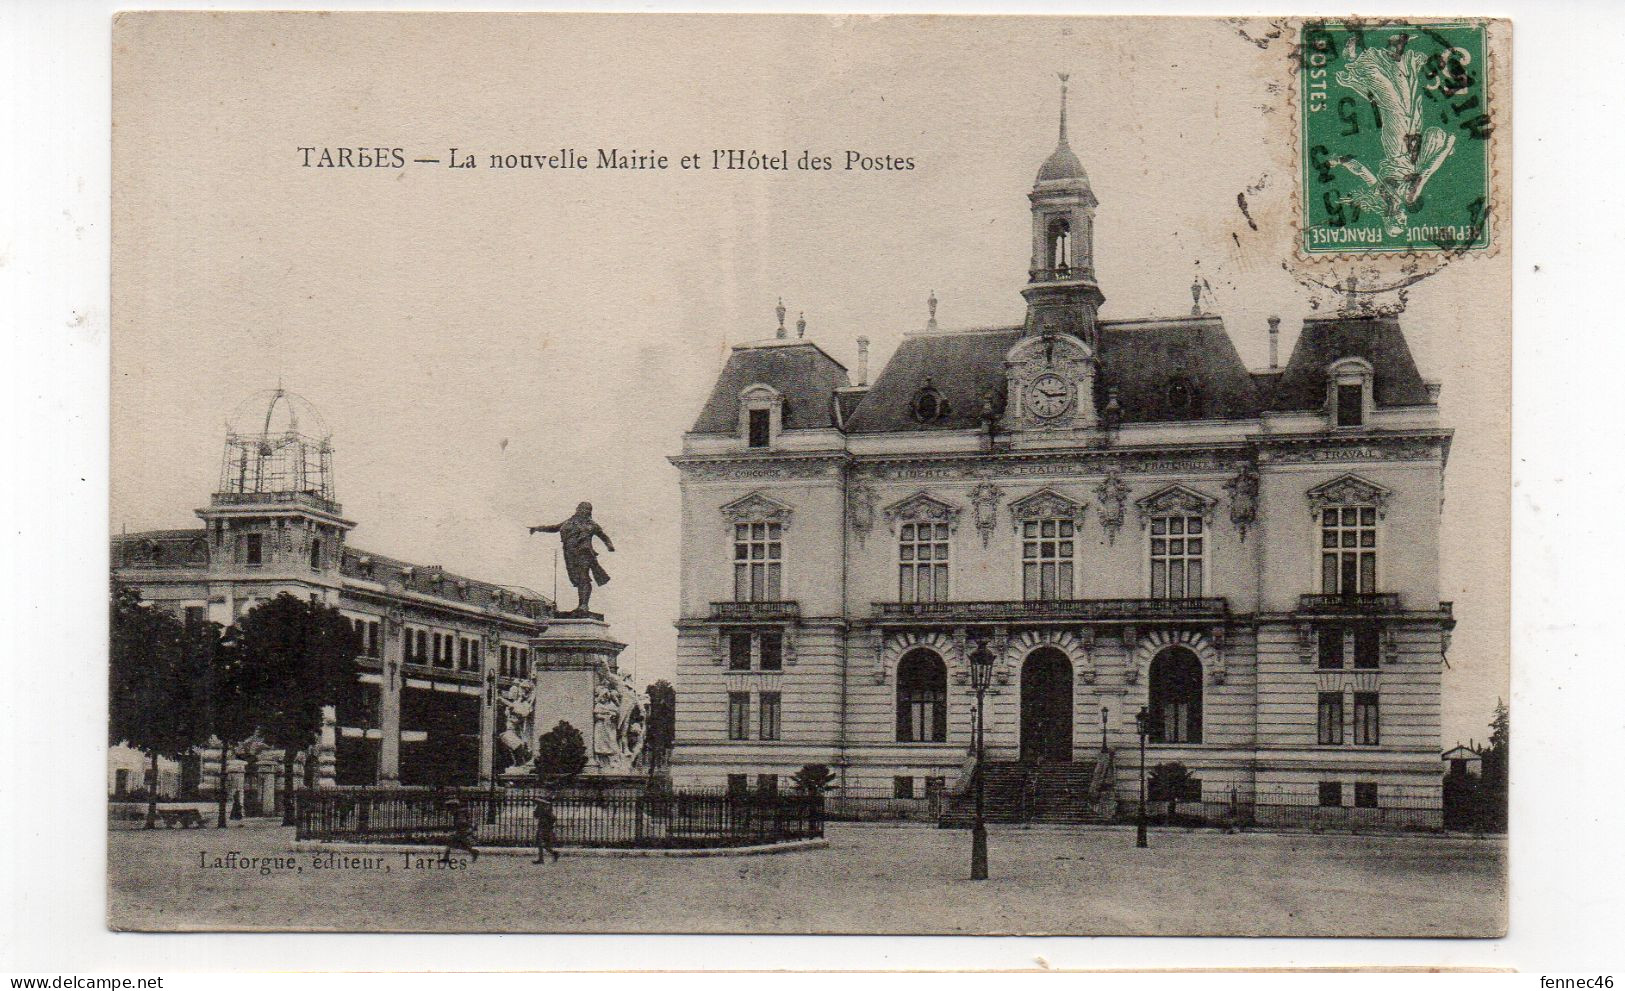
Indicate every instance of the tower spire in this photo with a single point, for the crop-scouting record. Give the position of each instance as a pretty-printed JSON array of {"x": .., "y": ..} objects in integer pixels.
[{"x": 1064, "y": 76}]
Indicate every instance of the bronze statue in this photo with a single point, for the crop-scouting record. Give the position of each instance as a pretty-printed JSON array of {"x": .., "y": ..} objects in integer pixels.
[{"x": 580, "y": 557}]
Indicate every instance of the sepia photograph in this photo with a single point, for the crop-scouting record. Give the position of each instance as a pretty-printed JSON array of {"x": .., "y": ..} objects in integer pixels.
[{"x": 810, "y": 474}]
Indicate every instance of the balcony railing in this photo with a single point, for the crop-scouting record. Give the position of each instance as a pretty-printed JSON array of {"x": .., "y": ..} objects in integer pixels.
[
  {"x": 312, "y": 499},
  {"x": 756, "y": 612},
  {"x": 1063, "y": 609},
  {"x": 1363, "y": 602}
]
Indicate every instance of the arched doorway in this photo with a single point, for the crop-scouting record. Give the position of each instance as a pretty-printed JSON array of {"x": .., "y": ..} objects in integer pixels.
[
  {"x": 1176, "y": 697},
  {"x": 1046, "y": 706}
]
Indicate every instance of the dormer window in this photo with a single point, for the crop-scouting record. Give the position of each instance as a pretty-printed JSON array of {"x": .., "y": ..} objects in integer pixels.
[
  {"x": 1182, "y": 398},
  {"x": 1349, "y": 392},
  {"x": 928, "y": 405},
  {"x": 761, "y": 416}
]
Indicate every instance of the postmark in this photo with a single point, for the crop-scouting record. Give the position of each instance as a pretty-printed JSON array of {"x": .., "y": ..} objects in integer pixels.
[{"x": 1395, "y": 132}]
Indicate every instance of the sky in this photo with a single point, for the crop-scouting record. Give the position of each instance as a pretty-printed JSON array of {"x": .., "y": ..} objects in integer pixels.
[{"x": 490, "y": 347}]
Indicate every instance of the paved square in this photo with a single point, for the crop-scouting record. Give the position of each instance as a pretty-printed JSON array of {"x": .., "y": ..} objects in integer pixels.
[{"x": 876, "y": 879}]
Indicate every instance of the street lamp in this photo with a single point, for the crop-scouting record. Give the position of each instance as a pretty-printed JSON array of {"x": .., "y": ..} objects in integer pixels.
[
  {"x": 981, "y": 675},
  {"x": 1142, "y": 722}
]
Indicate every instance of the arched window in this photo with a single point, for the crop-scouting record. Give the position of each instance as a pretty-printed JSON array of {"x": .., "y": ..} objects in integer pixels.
[
  {"x": 922, "y": 698},
  {"x": 1176, "y": 697},
  {"x": 1060, "y": 245}
]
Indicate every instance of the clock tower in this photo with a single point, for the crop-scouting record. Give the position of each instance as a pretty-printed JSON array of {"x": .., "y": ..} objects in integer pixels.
[{"x": 1062, "y": 295}]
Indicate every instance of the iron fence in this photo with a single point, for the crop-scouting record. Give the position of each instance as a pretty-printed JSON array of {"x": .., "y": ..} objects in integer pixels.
[
  {"x": 1393, "y": 807},
  {"x": 506, "y": 817},
  {"x": 882, "y": 805}
]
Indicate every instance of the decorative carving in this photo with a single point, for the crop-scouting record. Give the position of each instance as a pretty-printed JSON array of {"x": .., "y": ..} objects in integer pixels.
[
  {"x": 860, "y": 508},
  {"x": 921, "y": 507},
  {"x": 1050, "y": 382},
  {"x": 789, "y": 645},
  {"x": 719, "y": 647},
  {"x": 1174, "y": 499},
  {"x": 1390, "y": 645},
  {"x": 1198, "y": 643},
  {"x": 960, "y": 663},
  {"x": 985, "y": 508},
  {"x": 395, "y": 618},
  {"x": 1000, "y": 645},
  {"x": 757, "y": 508},
  {"x": 900, "y": 643},
  {"x": 1045, "y": 504},
  {"x": 1348, "y": 490},
  {"x": 620, "y": 719},
  {"x": 1322, "y": 451},
  {"x": 877, "y": 646},
  {"x": 1111, "y": 494},
  {"x": 1066, "y": 641},
  {"x": 755, "y": 467},
  {"x": 1243, "y": 491},
  {"x": 1308, "y": 642}
]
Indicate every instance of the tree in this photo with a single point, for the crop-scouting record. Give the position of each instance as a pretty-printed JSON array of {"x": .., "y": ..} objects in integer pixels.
[
  {"x": 1497, "y": 762},
  {"x": 304, "y": 653},
  {"x": 1172, "y": 783},
  {"x": 236, "y": 694},
  {"x": 813, "y": 779},
  {"x": 662, "y": 726},
  {"x": 157, "y": 675},
  {"x": 561, "y": 753}
]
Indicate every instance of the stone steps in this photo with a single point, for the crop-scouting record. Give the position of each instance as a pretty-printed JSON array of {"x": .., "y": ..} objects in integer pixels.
[{"x": 1014, "y": 792}]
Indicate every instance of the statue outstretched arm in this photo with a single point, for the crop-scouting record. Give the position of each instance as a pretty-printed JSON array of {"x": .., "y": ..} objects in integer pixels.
[{"x": 546, "y": 528}]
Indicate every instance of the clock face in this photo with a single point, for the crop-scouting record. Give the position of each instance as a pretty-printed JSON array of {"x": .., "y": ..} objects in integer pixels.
[{"x": 1049, "y": 396}]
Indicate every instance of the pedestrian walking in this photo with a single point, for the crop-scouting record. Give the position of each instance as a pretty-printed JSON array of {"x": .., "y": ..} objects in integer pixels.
[
  {"x": 545, "y": 820},
  {"x": 462, "y": 830}
]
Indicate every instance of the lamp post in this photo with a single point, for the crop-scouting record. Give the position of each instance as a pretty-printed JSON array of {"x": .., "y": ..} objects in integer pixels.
[
  {"x": 1104, "y": 733},
  {"x": 1142, "y": 722},
  {"x": 981, "y": 675}
]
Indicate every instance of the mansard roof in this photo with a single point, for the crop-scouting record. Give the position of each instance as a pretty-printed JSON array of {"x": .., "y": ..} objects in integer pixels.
[
  {"x": 189, "y": 548},
  {"x": 1378, "y": 340},
  {"x": 962, "y": 367},
  {"x": 1141, "y": 359},
  {"x": 802, "y": 373}
]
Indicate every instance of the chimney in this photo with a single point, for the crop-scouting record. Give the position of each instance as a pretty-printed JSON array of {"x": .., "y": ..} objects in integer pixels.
[
  {"x": 1275, "y": 343},
  {"x": 863, "y": 361}
]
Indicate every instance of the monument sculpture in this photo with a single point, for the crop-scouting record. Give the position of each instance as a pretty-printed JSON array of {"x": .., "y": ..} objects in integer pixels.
[
  {"x": 575, "y": 678},
  {"x": 580, "y": 557}
]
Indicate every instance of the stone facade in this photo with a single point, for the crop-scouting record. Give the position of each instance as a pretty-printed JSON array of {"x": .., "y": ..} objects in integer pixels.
[{"x": 1123, "y": 513}]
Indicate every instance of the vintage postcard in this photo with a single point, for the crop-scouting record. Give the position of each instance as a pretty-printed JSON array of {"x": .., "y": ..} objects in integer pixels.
[{"x": 810, "y": 474}]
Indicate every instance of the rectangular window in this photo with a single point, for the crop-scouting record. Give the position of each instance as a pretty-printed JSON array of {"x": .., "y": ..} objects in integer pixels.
[
  {"x": 1365, "y": 794},
  {"x": 759, "y": 423},
  {"x": 1348, "y": 550},
  {"x": 1367, "y": 716},
  {"x": 739, "y": 651},
  {"x": 1367, "y": 646},
  {"x": 922, "y": 562},
  {"x": 1176, "y": 557},
  {"x": 738, "y": 715},
  {"x": 423, "y": 647},
  {"x": 902, "y": 787},
  {"x": 935, "y": 786},
  {"x": 1331, "y": 718},
  {"x": 1046, "y": 559},
  {"x": 767, "y": 719},
  {"x": 1350, "y": 405},
  {"x": 316, "y": 554},
  {"x": 462, "y": 654},
  {"x": 524, "y": 662},
  {"x": 772, "y": 645},
  {"x": 758, "y": 562},
  {"x": 767, "y": 784},
  {"x": 252, "y": 543},
  {"x": 474, "y": 654},
  {"x": 738, "y": 784},
  {"x": 372, "y": 638},
  {"x": 1331, "y": 794},
  {"x": 1331, "y": 646}
]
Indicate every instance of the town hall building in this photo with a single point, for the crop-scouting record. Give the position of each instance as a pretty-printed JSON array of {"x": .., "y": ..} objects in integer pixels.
[{"x": 1120, "y": 510}]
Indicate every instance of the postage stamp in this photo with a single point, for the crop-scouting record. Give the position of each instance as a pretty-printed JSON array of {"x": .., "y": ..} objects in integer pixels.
[{"x": 1395, "y": 136}]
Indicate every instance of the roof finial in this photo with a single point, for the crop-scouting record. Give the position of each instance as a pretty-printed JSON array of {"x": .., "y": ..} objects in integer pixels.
[
  {"x": 1196, "y": 294},
  {"x": 931, "y": 309},
  {"x": 780, "y": 311},
  {"x": 1064, "y": 76},
  {"x": 801, "y": 324}
]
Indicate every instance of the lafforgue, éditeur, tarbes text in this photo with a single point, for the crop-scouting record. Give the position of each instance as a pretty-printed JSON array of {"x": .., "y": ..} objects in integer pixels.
[{"x": 620, "y": 159}]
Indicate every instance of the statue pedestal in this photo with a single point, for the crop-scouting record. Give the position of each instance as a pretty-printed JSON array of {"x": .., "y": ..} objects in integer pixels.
[{"x": 569, "y": 661}]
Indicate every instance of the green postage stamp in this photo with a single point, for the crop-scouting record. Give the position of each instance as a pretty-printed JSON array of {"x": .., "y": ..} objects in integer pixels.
[{"x": 1396, "y": 135}]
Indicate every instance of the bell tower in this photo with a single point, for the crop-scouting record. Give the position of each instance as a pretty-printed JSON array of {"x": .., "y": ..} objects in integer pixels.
[{"x": 1062, "y": 296}]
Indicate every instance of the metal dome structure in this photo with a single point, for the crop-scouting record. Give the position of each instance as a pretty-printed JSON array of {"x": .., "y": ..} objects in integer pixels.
[{"x": 277, "y": 446}]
